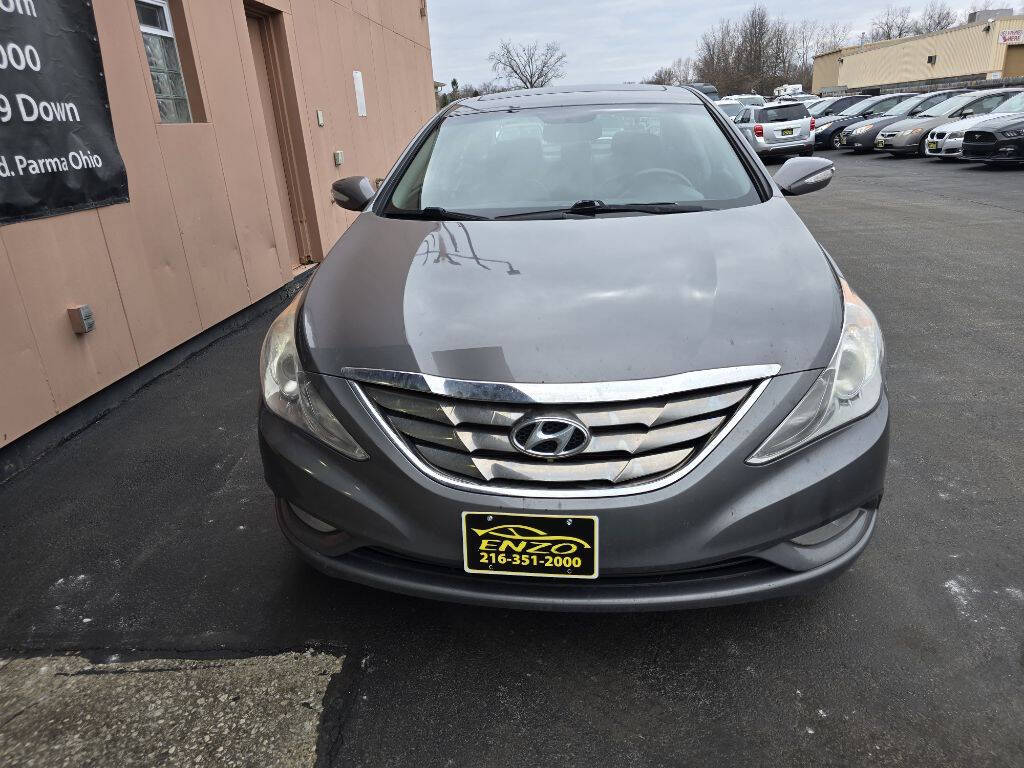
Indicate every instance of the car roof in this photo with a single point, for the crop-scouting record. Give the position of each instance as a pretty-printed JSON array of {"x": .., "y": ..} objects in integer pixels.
[{"x": 577, "y": 95}]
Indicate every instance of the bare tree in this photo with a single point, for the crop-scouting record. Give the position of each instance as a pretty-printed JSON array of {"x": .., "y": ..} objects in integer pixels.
[
  {"x": 805, "y": 38},
  {"x": 936, "y": 17},
  {"x": 679, "y": 72},
  {"x": 713, "y": 63},
  {"x": 661, "y": 76},
  {"x": 683, "y": 69},
  {"x": 832, "y": 37},
  {"x": 895, "y": 22},
  {"x": 530, "y": 65}
]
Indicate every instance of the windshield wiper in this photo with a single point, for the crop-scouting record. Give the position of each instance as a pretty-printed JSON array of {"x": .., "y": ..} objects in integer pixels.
[
  {"x": 432, "y": 212},
  {"x": 595, "y": 207}
]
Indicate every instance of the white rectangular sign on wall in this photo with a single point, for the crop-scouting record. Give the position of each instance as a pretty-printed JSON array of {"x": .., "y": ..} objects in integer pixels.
[{"x": 357, "y": 80}]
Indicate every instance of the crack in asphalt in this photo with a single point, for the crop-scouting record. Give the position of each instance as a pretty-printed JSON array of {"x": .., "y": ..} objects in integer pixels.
[{"x": 340, "y": 702}]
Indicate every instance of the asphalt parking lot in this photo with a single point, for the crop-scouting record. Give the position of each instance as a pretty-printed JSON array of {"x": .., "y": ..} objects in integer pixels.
[{"x": 144, "y": 549}]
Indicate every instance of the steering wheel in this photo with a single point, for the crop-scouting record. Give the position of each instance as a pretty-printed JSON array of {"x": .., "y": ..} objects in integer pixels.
[{"x": 631, "y": 181}]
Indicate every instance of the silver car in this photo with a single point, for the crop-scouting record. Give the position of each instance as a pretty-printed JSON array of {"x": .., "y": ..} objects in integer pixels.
[{"x": 778, "y": 128}]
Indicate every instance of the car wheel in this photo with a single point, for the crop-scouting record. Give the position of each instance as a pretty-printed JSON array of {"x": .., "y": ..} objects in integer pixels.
[
  {"x": 836, "y": 140},
  {"x": 922, "y": 150}
]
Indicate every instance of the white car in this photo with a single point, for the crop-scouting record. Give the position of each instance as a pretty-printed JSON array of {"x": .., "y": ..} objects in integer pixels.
[
  {"x": 750, "y": 99},
  {"x": 946, "y": 141},
  {"x": 730, "y": 106}
]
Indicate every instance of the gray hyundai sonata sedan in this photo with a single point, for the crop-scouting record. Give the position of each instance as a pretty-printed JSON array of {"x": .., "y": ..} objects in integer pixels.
[{"x": 578, "y": 352}]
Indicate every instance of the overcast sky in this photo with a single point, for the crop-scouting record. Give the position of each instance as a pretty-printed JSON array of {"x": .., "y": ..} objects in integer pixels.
[{"x": 606, "y": 41}]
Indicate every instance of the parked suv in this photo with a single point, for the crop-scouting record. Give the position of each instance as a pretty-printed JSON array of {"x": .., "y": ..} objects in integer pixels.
[
  {"x": 551, "y": 372},
  {"x": 778, "y": 128}
]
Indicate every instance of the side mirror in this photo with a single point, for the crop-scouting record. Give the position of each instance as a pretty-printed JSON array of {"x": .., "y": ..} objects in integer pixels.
[
  {"x": 353, "y": 192},
  {"x": 738, "y": 119},
  {"x": 967, "y": 112},
  {"x": 800, "y": 175}
]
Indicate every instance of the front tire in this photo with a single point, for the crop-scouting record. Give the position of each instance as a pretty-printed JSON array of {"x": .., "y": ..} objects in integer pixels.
[{"x": 922, "y": 150}]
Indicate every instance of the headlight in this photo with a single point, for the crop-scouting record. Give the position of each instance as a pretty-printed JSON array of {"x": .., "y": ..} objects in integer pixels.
[
  {"x": 1014, "y": 133},
  {"x": 862, "y": 129},
  {"x": 849, "y": 388},
  {"x": 290, "y": 393},
  {"x": 911, "y": 132},
  {"x": 956, "y": 135}
]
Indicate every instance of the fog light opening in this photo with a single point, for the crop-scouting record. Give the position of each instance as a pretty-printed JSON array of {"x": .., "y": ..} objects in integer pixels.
[
  {"x": 827, "y": 531},
  {"x": 318, "y": 525}
]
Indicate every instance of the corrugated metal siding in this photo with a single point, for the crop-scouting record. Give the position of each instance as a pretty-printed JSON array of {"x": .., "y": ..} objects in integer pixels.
[{"x": 960, "y": 52}]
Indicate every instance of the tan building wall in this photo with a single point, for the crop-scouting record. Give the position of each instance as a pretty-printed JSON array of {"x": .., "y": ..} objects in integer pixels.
[
  {"x": 208, "y": 229},
  {"x": 826, "y": 65},
  {"x": 960, "y": 52}
]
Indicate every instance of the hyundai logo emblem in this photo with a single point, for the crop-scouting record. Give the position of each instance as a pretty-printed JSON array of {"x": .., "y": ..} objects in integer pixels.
[{"x": 550, "y": 437}]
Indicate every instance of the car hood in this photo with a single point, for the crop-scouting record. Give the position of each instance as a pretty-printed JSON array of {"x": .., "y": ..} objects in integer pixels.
[
  {"x": 1008, "y": 120},
  {"x": 975, "y": 120},
  {"x": 876, "y": 122},
  {"x": 925, "y": 123},
  {"x": 574, "y": 300}
]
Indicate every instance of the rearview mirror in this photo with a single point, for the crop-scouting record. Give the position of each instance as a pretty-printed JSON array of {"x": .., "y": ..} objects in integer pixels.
[
  {"x": 800, "y": 175},
  {"x": 353, "y": 192}
]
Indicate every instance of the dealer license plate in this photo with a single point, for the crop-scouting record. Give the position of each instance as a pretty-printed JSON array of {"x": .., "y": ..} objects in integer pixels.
[
  {"x": 879, "y": 143},
  {"x": 787, "y": 131},
  {"x": 934, "y": 145},
  {"x": 558, "y": 546}
]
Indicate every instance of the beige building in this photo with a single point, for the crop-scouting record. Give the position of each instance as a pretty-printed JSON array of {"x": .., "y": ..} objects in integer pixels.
[
  {"x": 978, "y": 51},
  {"x": 229, "y": 179}
]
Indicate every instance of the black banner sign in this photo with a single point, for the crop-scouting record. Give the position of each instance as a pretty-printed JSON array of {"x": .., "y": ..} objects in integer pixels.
[{"x": 57, "y": 147}]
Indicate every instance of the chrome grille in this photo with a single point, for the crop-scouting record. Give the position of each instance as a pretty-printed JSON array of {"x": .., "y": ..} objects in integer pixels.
[{"x": 633, "y": 442}]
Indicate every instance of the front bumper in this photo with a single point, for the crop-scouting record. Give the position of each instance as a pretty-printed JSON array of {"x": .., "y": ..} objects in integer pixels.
[
  {"x": 898, "y": 145},
  {"x": 945, "y": 148},
  {"x": 740, "y": 580},
  {"x": 860, "y": 142},
  {"x": 722, "y": 510},
  {"x": 1001, "y": 151}
]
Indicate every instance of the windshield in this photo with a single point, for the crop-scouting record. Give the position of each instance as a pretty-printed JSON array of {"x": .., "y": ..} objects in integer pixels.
[
  {"x": 730, "y": 108},
  {"x": 943, "y": 108},
  {"x": 820, "y": 107},
  {"x": 509, "y": 162},
  {"x": 858, "y": 106},
  {"x": 1016, "y": 104},
  {"x": 904, "y": 107}
]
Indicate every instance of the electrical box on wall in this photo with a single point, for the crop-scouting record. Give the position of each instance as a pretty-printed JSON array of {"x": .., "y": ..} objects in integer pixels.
[{"x": 82, "y": 320}]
